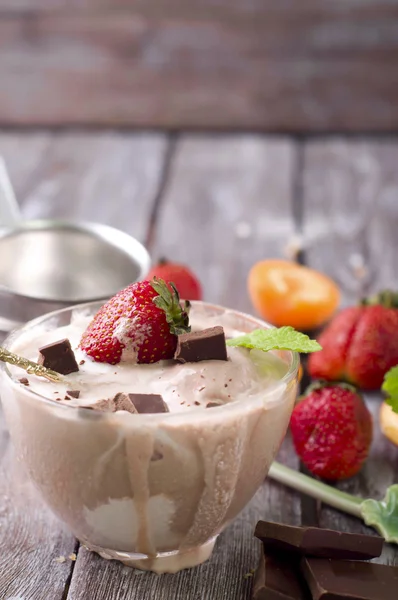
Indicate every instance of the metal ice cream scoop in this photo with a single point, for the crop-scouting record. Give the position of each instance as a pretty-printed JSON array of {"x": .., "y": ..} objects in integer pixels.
[{"x": 48, "y": 264}]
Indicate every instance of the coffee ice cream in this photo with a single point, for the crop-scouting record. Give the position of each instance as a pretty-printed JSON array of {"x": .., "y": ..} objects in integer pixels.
[{"x": 151, "y": 490}]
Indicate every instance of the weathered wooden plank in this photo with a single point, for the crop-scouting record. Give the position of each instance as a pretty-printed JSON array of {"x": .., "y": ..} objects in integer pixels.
[
  {"x": 351, "y": 211},
  {"x": 24, "y": 155},
  {"x": 228, "y": 202},
  {"x": 30, "y": 537},
  {"x": 257, "y": 6},
  {"x": 107, "y": 177},
  {"x": 287, "y": 68},
  {"x": 104, "y": 177}
]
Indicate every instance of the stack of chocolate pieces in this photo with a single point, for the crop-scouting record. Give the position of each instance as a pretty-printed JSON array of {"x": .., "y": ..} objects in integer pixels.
[{"x": 307, "y": 563}]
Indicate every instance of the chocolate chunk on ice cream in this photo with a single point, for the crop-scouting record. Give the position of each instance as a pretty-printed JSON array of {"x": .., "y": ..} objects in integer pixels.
[
  {"x": 208, "y": 344},
  {"x": 120, "y": 401},
  {"x": 148, "y": 403},
  {"x": 59, "y": 357},
  {"x": 132, "y": 403}
]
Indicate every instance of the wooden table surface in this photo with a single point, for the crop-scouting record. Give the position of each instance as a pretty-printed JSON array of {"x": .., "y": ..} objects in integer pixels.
[{"x": 218, "y": 203}]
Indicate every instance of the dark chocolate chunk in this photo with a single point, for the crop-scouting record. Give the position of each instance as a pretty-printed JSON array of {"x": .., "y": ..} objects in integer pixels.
[
  {"x": 279, "y": 578},
  {"x": 59, "y": 357},
  {"x": 73, "y": 393},
  {"x": 132, "y": 403},
  {"x": 148, "y": 403},
  {"x": 208, "y": 344},
  {"x": 331, "y": 579},
  {"x": 105, "y": 405},
  {"x": 312, "y": 541},
  {"x": 24, "y": 381},
  {"x": 213, "y": 404},
  {"x": 122, "y": 402},
  {"x": 119, "y": 402}
]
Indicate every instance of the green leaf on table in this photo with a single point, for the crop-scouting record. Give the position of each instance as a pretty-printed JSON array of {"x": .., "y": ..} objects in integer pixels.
[
  {"x": 383, "y": 514},
  {"x": 282, "y": 338},
  {"x": 390, "y": 387}
]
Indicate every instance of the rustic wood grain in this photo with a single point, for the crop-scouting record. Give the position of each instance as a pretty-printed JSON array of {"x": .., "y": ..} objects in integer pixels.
[
  {"x": 259, "y": 7},
  {"x": 297, "y": 67},
  {"x": 31, "y": 538},
  {"x": 23, "y": 155},
  {"x": 351, "y": 212},
  {"x": 104, "y": 177},
  {"x": 350, "y": 197},
  {"x": 228, "y": 204},
  {"x": 107, "y": 177},
  {"x": 228, "y": 201}
]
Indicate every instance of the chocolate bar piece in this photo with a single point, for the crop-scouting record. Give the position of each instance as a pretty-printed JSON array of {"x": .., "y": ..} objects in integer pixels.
[
  {"x": 73, "y": 393},
  {"x": 279, "y": 579},
  {"x": 132, "y": 403},
  {"x": 59, "y": 357},
  {"x": 105, "y": 405},
  {"x": 312, "y": 541},
  {"x": 148, "y": 403},
  {"x": 122, "y": 402},
  {"x": 119, "y": 402},
  {"x": 330, "y": 579},
  {"x": 208, "y": 344}
]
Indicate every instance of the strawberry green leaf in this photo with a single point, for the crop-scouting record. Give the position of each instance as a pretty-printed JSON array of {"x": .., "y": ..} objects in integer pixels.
[
  {"x": 284, "y": 338},
  {"x": 390, "y": 387},
  {"x": 169, "y": 301}
]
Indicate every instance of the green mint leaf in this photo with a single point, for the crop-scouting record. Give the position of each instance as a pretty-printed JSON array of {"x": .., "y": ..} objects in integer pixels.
[
  {"x": 390, "y": 387},
  {"x": 284, "y": 338},
  {"x": 383, "y": 514}
]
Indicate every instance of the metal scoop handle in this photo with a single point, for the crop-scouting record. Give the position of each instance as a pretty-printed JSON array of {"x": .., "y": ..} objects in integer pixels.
[{"x": 10, "y": 214}]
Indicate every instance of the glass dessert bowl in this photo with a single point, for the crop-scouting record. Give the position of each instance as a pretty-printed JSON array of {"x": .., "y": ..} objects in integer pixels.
[{"x": 151, "y": 490}]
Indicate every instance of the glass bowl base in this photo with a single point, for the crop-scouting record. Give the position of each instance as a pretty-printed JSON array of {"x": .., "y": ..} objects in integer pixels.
[{"x": 166, "y": 562}]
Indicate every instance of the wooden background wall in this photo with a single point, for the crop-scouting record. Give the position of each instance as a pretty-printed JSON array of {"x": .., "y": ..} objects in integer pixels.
[{"x": 273, "y": 65}]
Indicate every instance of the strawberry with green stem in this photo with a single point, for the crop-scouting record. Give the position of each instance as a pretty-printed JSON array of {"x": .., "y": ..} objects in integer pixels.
[{"x": 141, "y": 323}]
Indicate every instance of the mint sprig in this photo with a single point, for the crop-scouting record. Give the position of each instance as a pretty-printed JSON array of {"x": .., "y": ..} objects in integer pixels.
[
  {"x": 282, "y": 338},
  {"x": 390, "y": 387}
]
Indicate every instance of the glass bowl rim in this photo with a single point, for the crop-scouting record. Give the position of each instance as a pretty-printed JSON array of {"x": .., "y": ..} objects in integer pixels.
[{"x": 155, "y": 417}]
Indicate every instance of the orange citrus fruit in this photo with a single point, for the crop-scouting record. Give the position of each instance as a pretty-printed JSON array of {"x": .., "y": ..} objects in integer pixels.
[{"x": 286, "y": 293}]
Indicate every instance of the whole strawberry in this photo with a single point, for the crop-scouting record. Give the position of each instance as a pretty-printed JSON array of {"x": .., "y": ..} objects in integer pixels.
[
  {"x": 141, "y": 322},
  {"x": 360, "y": 344},
  {"x": 332, "y": 430},
  {"x": 184, "y": 280}
]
